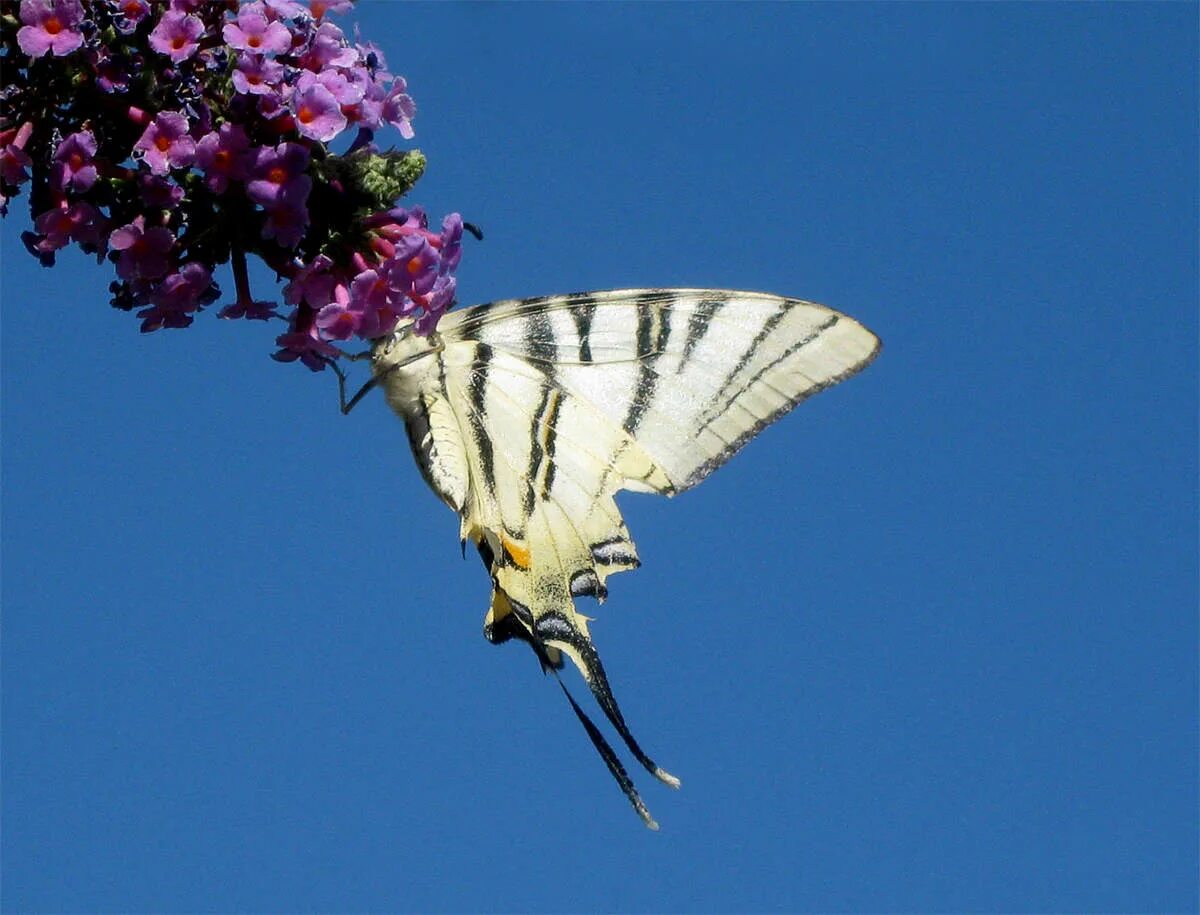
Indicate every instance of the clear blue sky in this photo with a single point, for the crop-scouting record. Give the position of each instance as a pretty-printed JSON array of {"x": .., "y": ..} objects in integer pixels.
[{"x": 928, "y": 645}]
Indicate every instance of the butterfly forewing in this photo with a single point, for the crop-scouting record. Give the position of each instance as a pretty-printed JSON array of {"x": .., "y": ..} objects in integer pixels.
[{"x": 690, "y": 374}]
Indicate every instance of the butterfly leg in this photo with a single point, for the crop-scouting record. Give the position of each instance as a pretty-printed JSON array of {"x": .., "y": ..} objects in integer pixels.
[{"x": 347, "y": 406}]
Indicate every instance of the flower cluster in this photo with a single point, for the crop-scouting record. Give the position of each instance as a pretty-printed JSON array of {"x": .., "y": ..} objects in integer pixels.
[{"x": 172, "y": 137}]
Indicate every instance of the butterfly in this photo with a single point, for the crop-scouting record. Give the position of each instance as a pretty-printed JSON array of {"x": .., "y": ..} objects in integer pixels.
[{"x": 526, "y": 416}]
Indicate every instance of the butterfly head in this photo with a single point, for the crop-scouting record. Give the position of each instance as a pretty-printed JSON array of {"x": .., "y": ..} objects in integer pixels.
[{"x": 403, "y": 347}]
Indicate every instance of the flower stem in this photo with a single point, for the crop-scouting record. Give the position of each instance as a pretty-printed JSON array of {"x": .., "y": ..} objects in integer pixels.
[{"x": 241, "y": 279}]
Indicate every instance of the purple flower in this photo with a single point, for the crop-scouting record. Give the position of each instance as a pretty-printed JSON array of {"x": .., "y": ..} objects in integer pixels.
[
  {"x": 129, "y": 14},
  {"x": 285, "y": 9},
  {"x": 158, "y": 192},
  {"x": 254, "y": 33},
  {"x": 165, "y": 144},
  {"x": 73, "y": 167},
  {"x": 328, "y": 48},
  {"x": 255, "y": 75},
  {"x": 376, "y": 322},
  {"x": 451, "y": 243},
  {"x": 346, "y": 90},
  {"x": 175, "y": 297},
  {"x": 143, "y": 251},
  {"x": 251, "y": 310},
  {"x": 337, "y": 321},
  {"x": 111, "y": 73},
  {"x": 287, "y": 217},
  {"x": 274, "y": 169},
  {"x": 368, "y": 112},
  {"x": 440, "y": 298},
  {"x": 372, "y": 56},
  {"x": 371, "y": 289},
  {"x": 322, "y": 8},
  {"x": 39, "y": 247},
  {"x": 415, "y": 265},
  {"x": 340, "y": 319},
  {"x": 312, "y": 283},
  {"x": 177, "y": 35},
  {"x": 50, "y": 26},
  {"x": 318, "y": 114},
  {"x": 80, "y": 223},
  {"x": 399, "y": 109},
  {"x": 13, "y": 158},
  {"x": 224, "y": 156},
  {"x": 305, "y": 346},
  {"x": 270, "y": 106}
]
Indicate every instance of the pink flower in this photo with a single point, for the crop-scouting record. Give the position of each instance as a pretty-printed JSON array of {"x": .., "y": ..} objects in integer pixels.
[
  {"x": 284, "y": 9},
  {"x": 255, "y": 75},
  {"x": 174, "y": 298},
  {"x": 305, "y": 346},
  {"x": 143, "y": 251},
  {"x": 399, "y": 109},
  {"x": 224, "y": 156},
  {"x": 165, "y": 144},
  {"x": 328, "y": 49},
  {"x": 73, "y": 166},
  {"x": 129, "y": 14},
  {"x": 311, "y": 284},
  {"x": 251, "y": 310},
  {"x": 440, "y": 298},
  {"x": 252, "y": 32},
  {"x": 13, "y": 158},
  {"x": 415, "y": 266},
  {"x": 273, "y": 170},
  {"x": 287, "y": 217},
  {"x": 80, "y": 222},
  {"x": 177, "y": 35},
  {"x": 337, "y": 321},
  {"x": 322, "y": 8},
  {"x": 50, "y": 26},
  {"x": 318, "y": 114},
  {"x": 158, "y": 192}
]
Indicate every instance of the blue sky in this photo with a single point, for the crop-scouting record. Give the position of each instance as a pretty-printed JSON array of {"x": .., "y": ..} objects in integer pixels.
[{"x": 927, "y": 645}]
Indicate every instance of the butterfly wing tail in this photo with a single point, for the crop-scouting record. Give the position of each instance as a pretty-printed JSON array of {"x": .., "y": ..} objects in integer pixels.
[
  {"x": 555, "y": 633},
  {"x": 558, "y": 630}
]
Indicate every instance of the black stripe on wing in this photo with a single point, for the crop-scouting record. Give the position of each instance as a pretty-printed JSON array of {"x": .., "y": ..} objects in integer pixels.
[
  {"x": 699, "y": 321},
  {"x": 736, "y": 445},
  {"x": 477, "y": 398},
  {"x": 763, "y": 333},
  {"x": 582, "y": 311},
  {"x": 653, "y": 329}
]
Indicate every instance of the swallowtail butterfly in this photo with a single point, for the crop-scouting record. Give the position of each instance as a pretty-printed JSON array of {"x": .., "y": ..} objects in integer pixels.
[{"x": 526, "y": 417}]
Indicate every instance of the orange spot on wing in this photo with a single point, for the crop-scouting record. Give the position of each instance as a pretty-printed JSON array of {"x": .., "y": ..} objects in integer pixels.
[{"x": 519, "y": 554}]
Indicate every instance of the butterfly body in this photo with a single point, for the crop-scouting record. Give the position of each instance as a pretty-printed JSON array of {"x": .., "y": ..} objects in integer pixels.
[{"x": 527, "y": 416}]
